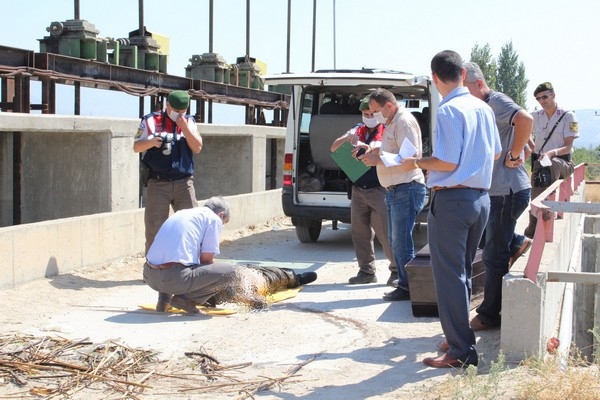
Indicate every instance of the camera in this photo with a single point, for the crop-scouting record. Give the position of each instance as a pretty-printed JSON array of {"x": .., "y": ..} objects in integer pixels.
[
  {"x": 542, "y": 178},
  {"x": 167, "y": 144}
]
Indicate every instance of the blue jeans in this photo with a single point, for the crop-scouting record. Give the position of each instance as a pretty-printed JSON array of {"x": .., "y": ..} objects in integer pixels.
[
  {"x": 500, "y": 243},
  {"x": 404, "y": 202}
]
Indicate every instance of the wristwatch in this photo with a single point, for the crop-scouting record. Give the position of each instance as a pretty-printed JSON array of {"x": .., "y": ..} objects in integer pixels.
[
  {"x": 555, "y": 153},
  {"x": 416, "y": 162},
  {"x": 510, "y": 157}
]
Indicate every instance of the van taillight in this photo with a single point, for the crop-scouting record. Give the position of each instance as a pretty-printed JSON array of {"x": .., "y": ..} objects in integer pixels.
[{"x": 288, "y": 158}]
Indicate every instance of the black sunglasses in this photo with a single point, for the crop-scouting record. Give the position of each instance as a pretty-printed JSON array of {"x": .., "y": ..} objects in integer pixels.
[{"x": 544, "y": 97}]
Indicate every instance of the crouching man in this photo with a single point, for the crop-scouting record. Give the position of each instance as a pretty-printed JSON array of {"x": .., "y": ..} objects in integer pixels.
[{"x": 181, "y": 267}]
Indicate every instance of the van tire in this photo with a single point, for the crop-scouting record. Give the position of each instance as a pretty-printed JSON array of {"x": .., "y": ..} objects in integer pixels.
[{"x": 309, "y": 233}]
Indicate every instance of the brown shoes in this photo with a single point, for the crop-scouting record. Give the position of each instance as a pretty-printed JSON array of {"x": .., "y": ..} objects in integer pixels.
[
  {"x": 478, "y": 325},
  {"x": 443, "y": 346},
  {"x": 522, "y": 250},
  {"x": 446, "y": 361},
  {"x": 185, "y": 304}
]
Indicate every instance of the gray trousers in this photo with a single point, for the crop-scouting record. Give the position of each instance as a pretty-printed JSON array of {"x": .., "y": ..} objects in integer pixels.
[
  {"x": 456, "y": 220},
  {"x": 200, "y": 283},
  {"x": 368, "y": 213},
  {"x": 161, "y": 195}
]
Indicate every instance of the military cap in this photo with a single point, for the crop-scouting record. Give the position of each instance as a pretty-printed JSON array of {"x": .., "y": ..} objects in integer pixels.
[
  {"x": 364, "y": 104},
  {"x": 179, "y": 99},
  {"x": 542, "y": 87}
]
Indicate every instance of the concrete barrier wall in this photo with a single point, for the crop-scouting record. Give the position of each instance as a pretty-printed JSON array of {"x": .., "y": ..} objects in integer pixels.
[
  {"x": 48, "y": 248},
  {"x": 73, "y": 166},
  {"x": 531, "y": 311}
]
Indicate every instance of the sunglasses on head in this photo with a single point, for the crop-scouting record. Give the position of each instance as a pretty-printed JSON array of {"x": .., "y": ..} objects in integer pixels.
[{"x": 544, "y": 97}]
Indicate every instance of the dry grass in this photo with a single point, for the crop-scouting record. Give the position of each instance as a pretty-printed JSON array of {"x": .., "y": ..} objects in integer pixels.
[
  {"x": 547, "y": 381},
  {"x": 592, "y": 192},
  {"x": 533, "y": 379}
]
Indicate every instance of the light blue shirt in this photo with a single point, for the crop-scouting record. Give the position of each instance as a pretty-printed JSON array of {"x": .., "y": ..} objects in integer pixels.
[{"x": 465, "y": 134}]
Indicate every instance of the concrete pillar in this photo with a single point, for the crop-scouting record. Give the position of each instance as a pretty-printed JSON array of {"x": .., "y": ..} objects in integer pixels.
[
  {"x": 591, "y": 224},
  {"x": 522, "y": 316},
  {"x": 587, "y": 297}
]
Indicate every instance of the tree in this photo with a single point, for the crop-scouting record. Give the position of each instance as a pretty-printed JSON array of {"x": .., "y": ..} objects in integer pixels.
[
  {"x": 482, "y": 56},
  {"x": 506, "y": 75},
  {"x": 510, "y": 78}
]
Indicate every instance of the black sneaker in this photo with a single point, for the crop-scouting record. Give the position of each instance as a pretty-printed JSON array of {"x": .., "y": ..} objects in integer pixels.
[
  {"x": 305, "y": 278},
  {"x": 362, "y": 277},
  {"x": 164, "y": 302},
  {"x": 398, "y": 294}
]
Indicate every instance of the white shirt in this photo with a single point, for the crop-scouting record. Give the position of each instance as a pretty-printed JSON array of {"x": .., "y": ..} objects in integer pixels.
[{"x": 185, "y": 235}]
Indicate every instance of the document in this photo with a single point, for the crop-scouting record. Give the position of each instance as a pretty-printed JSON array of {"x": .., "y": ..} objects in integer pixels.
[
  {"x": 406, "y": 150},
  {"x": 352, "y": 167}
]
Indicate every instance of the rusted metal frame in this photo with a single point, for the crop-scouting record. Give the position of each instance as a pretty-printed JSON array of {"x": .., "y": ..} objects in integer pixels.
[
  {"x": 106, "y": 74},
  {"x": 48, "y": 105},
  {"x": 17, "y": 177},
  {"x": 13, "y": 57}
]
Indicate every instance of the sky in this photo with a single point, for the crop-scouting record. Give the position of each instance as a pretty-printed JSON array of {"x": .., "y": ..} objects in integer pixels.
[{"x": 556, "y": 41}]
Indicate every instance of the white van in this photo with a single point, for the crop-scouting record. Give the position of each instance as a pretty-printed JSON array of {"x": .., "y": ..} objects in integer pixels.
[{"x": 324, "y": 105}]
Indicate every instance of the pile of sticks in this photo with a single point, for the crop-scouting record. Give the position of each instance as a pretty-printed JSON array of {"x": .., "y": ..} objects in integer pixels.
[{"x": 57, "y": 368}]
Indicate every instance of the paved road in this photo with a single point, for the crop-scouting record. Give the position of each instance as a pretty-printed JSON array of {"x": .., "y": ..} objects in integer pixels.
[{"x": 360, "y": 346}]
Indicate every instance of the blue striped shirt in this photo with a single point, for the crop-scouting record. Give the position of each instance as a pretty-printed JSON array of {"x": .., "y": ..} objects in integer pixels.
[{"x": 465, "y": 134}]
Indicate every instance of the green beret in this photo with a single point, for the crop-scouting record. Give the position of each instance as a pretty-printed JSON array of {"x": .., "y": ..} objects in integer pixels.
[
  {"x": 542, "y": 87},
  {"x": 179, "y": 99},
  {"x": 364, "y": 104}
]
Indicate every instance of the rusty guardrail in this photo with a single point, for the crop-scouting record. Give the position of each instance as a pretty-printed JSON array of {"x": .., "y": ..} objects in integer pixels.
[{"x": 543, "y": 207}]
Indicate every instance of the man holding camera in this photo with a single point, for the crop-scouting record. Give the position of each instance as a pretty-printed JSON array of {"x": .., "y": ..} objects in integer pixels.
[
  {"x": 554, "y": 130},
  {"x": 168, "y": 140}
]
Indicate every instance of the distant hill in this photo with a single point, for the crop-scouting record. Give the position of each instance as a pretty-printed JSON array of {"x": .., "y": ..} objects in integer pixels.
[{"x": 589, "y": 129}]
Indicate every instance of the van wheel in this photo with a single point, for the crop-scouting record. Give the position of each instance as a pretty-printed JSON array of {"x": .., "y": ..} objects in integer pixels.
[{"x": 309, "y": 233}]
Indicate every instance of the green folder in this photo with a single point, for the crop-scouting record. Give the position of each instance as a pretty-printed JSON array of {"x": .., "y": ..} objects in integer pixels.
[{"x": 352, "y": 167}]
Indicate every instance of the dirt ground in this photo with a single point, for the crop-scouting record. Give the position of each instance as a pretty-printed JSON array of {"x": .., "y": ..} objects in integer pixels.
[{"x": 332, "y": 341}]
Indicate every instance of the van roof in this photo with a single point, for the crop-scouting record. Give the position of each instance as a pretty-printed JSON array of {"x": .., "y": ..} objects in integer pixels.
[{"x": 374, "y": 77}]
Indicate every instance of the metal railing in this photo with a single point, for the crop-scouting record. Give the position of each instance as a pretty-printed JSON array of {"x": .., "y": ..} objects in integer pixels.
[{"x": 544, "y": 207}]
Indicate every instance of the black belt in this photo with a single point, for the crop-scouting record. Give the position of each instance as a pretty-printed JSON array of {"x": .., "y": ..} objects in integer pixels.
[
  {"x": 159, "y": 177},
  {"x": 437, "y": 188},
  {"x": 392, "y": 187}
]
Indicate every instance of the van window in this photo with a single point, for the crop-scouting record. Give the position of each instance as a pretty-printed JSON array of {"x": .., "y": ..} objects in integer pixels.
[{"x": 307, "y": 105}]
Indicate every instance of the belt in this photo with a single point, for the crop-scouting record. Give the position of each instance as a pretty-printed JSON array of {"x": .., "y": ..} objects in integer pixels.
[
  {"x": 437, "y": 188},
  {"x": 154, "y": 175},
  {"x": 165, "y": 265},
  {"x": 392, "y": 187}
]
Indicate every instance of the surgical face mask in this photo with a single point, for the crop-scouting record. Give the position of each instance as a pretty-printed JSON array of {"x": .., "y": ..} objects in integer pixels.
[
  {"x": 174, "y": 115},
  {"x": 370, "y": 122},
  {"x": 379, "y": 117}
]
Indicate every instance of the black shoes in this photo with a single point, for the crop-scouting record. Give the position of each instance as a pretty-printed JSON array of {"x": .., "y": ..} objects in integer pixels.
[
  {"x": 362, "y": 277},
  {"x": 397, "y": 294},
  {"x": 393, "y": 279},
  {"x": 164, "y": 302},
  {"x": 185, "y": 304},
  {"x": 305, "y": 278}
]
